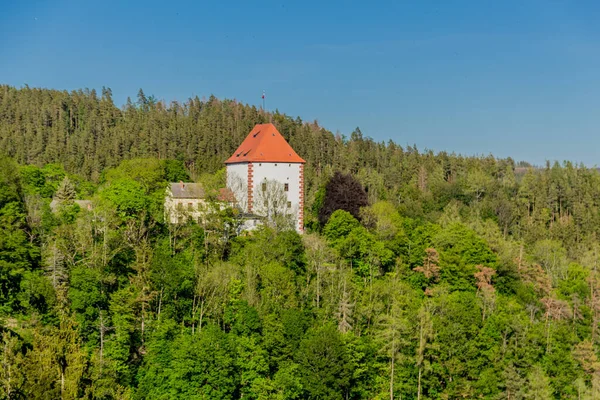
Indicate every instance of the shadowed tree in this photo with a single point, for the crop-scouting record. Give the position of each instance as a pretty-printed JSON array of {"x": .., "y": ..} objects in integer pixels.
[{"x": 343, "y": 192}]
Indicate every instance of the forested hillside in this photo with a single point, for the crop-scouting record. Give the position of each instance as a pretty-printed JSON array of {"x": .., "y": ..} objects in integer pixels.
[{"x": 421, "y": 275}]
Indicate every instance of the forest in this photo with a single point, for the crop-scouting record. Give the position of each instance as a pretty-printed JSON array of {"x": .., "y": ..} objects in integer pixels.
[{"x": 421, "y": 275}]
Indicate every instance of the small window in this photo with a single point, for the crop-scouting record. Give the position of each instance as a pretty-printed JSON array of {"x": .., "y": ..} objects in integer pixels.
[
  {"x": 286, "y": 187},
  {"x": 190, "y": 206},
  {"x": 264, "y": 187},
  {"x": 289, "y": 204},
  {"x": 260, "y": 164},
  {"x": 275, "y": 164}
]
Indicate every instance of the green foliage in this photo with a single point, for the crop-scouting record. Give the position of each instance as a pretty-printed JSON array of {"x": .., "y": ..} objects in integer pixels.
[
  {"x": 17, "y": 254},
  {"x": 339, "y": 225},
  {"x": 194, "y": 367},
  {"x": 65, "y": 191},
  {"x": 174, "y": 171},
  {"x": 460, "y": 251},
  {"x": 323, "y": 359},
  {"x": 467, "y": 277},
  {"x": 127, "y": 197}
]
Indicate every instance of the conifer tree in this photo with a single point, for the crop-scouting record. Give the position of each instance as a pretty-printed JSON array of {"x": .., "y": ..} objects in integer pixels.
[{"x": 65, "y": 192}]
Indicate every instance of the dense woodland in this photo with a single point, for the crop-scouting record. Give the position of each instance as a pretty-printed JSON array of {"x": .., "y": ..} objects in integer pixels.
[{"x": 420, "y": 276}]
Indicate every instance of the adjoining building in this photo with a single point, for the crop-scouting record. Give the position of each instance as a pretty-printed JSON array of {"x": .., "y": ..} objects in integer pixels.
[{"x": 183, "y": 201}]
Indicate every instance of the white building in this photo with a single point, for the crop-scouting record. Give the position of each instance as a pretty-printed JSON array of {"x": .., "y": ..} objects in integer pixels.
[
  {"x": 184, "y": 200},
  {"x": 266, "y": 176}
]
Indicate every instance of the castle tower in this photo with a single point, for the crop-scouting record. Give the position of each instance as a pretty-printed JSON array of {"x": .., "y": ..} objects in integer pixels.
[{"x": 267, "y": 176}]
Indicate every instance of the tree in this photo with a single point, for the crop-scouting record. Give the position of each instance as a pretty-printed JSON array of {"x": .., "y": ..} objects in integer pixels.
[
  {"x": 191, "y": 366},
  {"x": 343, "y": 192},
  {"x": 430, "y": 268},
  {"x": 339, "y": 225},
  {"x": 425, "y": 336},
  {"x": 319, "y": 257},
  {"x": 538, "y": 387},
  {"x": 270, "y": 201},
  {"x": 485, "y": 290},
  {"x": 324, "y": 364},
  {"x": 394, "y": 325},
  {"x": 65, "y": 193}
]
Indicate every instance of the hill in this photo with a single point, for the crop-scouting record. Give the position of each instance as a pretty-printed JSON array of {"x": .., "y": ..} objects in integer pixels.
[{"x": 462, "y": 277}]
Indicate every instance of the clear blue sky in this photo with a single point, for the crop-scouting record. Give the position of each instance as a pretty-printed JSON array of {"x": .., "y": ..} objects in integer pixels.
[{"x": 516, "y": 78}]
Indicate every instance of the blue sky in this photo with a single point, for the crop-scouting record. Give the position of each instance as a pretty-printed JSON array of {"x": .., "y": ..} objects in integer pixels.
[{"x": 517, "y": 78}]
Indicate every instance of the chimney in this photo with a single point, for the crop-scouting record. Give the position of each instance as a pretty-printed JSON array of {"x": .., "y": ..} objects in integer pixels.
[{"x": 182, "y": 185}]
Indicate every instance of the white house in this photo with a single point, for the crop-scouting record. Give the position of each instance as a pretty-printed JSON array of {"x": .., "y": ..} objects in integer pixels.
[
  {"x": 266, "y": 176},
  {"x": 184, "y": 200}
]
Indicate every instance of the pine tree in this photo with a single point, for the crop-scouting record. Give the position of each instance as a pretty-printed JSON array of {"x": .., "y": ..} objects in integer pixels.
[{"x": 65, "y": 192}]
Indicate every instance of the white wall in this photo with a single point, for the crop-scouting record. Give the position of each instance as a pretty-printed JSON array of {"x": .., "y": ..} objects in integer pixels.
[
  {"x": 282, "y": 173},
  {"x": 178, "y": 210},
  {"x": 237, "y": 182}
]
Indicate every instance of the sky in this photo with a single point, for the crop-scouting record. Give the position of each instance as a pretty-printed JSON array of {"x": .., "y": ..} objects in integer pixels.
[{"x": 512, "y": 78}]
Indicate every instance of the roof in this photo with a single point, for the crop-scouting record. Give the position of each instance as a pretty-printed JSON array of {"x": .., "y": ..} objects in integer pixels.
[
  {"x": 186, "y": 190},
  {"x": 264, "y": 143},
  {"x": 225, "y": 194},
  {"x": 84, "y": 204}
]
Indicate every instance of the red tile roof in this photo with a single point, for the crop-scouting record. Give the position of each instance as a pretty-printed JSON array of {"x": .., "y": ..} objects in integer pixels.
[
  {"x": 226, "y": 195},
  {"x": 265, "y": 143}
]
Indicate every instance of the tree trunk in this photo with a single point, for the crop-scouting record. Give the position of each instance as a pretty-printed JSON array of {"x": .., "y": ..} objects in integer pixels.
[
  {"x": 101, "y": 338},
  {"x": 420, "y": 360},
  {"x": 143, "y": 320},
  {"x": 392, "y": 373},
  {"x": 160, "y": 303},
  {"x": 419, "y": 384},
  {"x": 547, "y": 335},
  {"x": 318, "y": 286}
]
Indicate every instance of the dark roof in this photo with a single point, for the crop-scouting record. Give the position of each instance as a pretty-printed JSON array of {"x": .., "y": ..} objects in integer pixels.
[
  {"x": 84, "y": 204},
  {"x": 187, "y": 190},
  {"x": 265, "y": 143}
]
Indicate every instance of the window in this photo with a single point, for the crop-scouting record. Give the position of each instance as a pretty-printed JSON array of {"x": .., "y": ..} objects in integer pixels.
[
  {"x": 260, "y": 164},
  {"x": 289, "y": 204},
  {"x": 286, "y": 187},
  {"x": 275, "y": 164},
  {"x": 264, "y": 186},
  {"x": 190, "y": 206}
]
